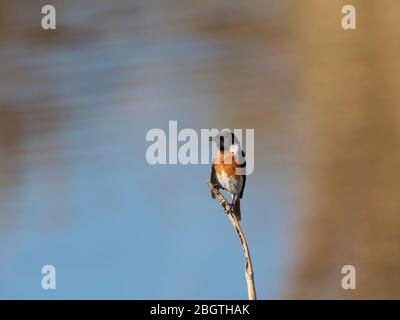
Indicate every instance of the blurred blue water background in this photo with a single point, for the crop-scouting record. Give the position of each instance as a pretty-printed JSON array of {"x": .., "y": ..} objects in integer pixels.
[{"x": 76, "y": 191}]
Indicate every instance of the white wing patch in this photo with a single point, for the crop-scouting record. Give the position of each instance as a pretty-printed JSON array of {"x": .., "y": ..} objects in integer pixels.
[{"x": 235, "y": 149}]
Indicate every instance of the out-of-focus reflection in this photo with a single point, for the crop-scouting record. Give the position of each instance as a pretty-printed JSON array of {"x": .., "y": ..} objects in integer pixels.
[
  {"x": 77, "y": 102},
  {"x": 76, "y": 192},
  {"x": 352, "y": 169}
]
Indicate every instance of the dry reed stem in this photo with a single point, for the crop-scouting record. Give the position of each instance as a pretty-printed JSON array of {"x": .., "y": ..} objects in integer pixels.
[{"x": 248, "y": 268}]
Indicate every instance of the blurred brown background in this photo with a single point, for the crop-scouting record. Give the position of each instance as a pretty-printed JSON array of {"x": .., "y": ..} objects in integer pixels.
[{"x": 350, "y": 202}]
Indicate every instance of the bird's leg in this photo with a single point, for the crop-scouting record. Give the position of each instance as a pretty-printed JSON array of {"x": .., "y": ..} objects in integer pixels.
[{"x": 233, "y": 199}]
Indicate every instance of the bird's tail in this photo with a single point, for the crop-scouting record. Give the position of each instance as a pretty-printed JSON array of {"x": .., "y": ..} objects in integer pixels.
[{"x": 236, "y": 208}]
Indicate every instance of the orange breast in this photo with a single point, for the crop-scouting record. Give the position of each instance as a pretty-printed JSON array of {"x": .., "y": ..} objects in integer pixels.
[{"x": 225, "y": 163}]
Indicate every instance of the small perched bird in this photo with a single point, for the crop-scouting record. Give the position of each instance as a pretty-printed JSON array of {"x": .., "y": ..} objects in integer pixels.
[{"x": 224, "y": 173}]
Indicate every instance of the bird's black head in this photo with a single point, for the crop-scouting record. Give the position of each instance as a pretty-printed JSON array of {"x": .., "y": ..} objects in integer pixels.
[{"x": 224, "y": 139}]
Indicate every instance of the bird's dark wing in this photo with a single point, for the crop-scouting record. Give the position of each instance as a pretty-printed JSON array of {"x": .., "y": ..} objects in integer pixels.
[
  {"x": 243, "y": 165},
  {"x": 214, "y": 180},
  {"x": 243, "y": 160},
  {"x": 244, "y": 183}
]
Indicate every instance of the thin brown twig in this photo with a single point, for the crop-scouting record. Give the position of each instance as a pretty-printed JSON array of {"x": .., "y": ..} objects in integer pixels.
[{"x": 251, "y": 289}]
